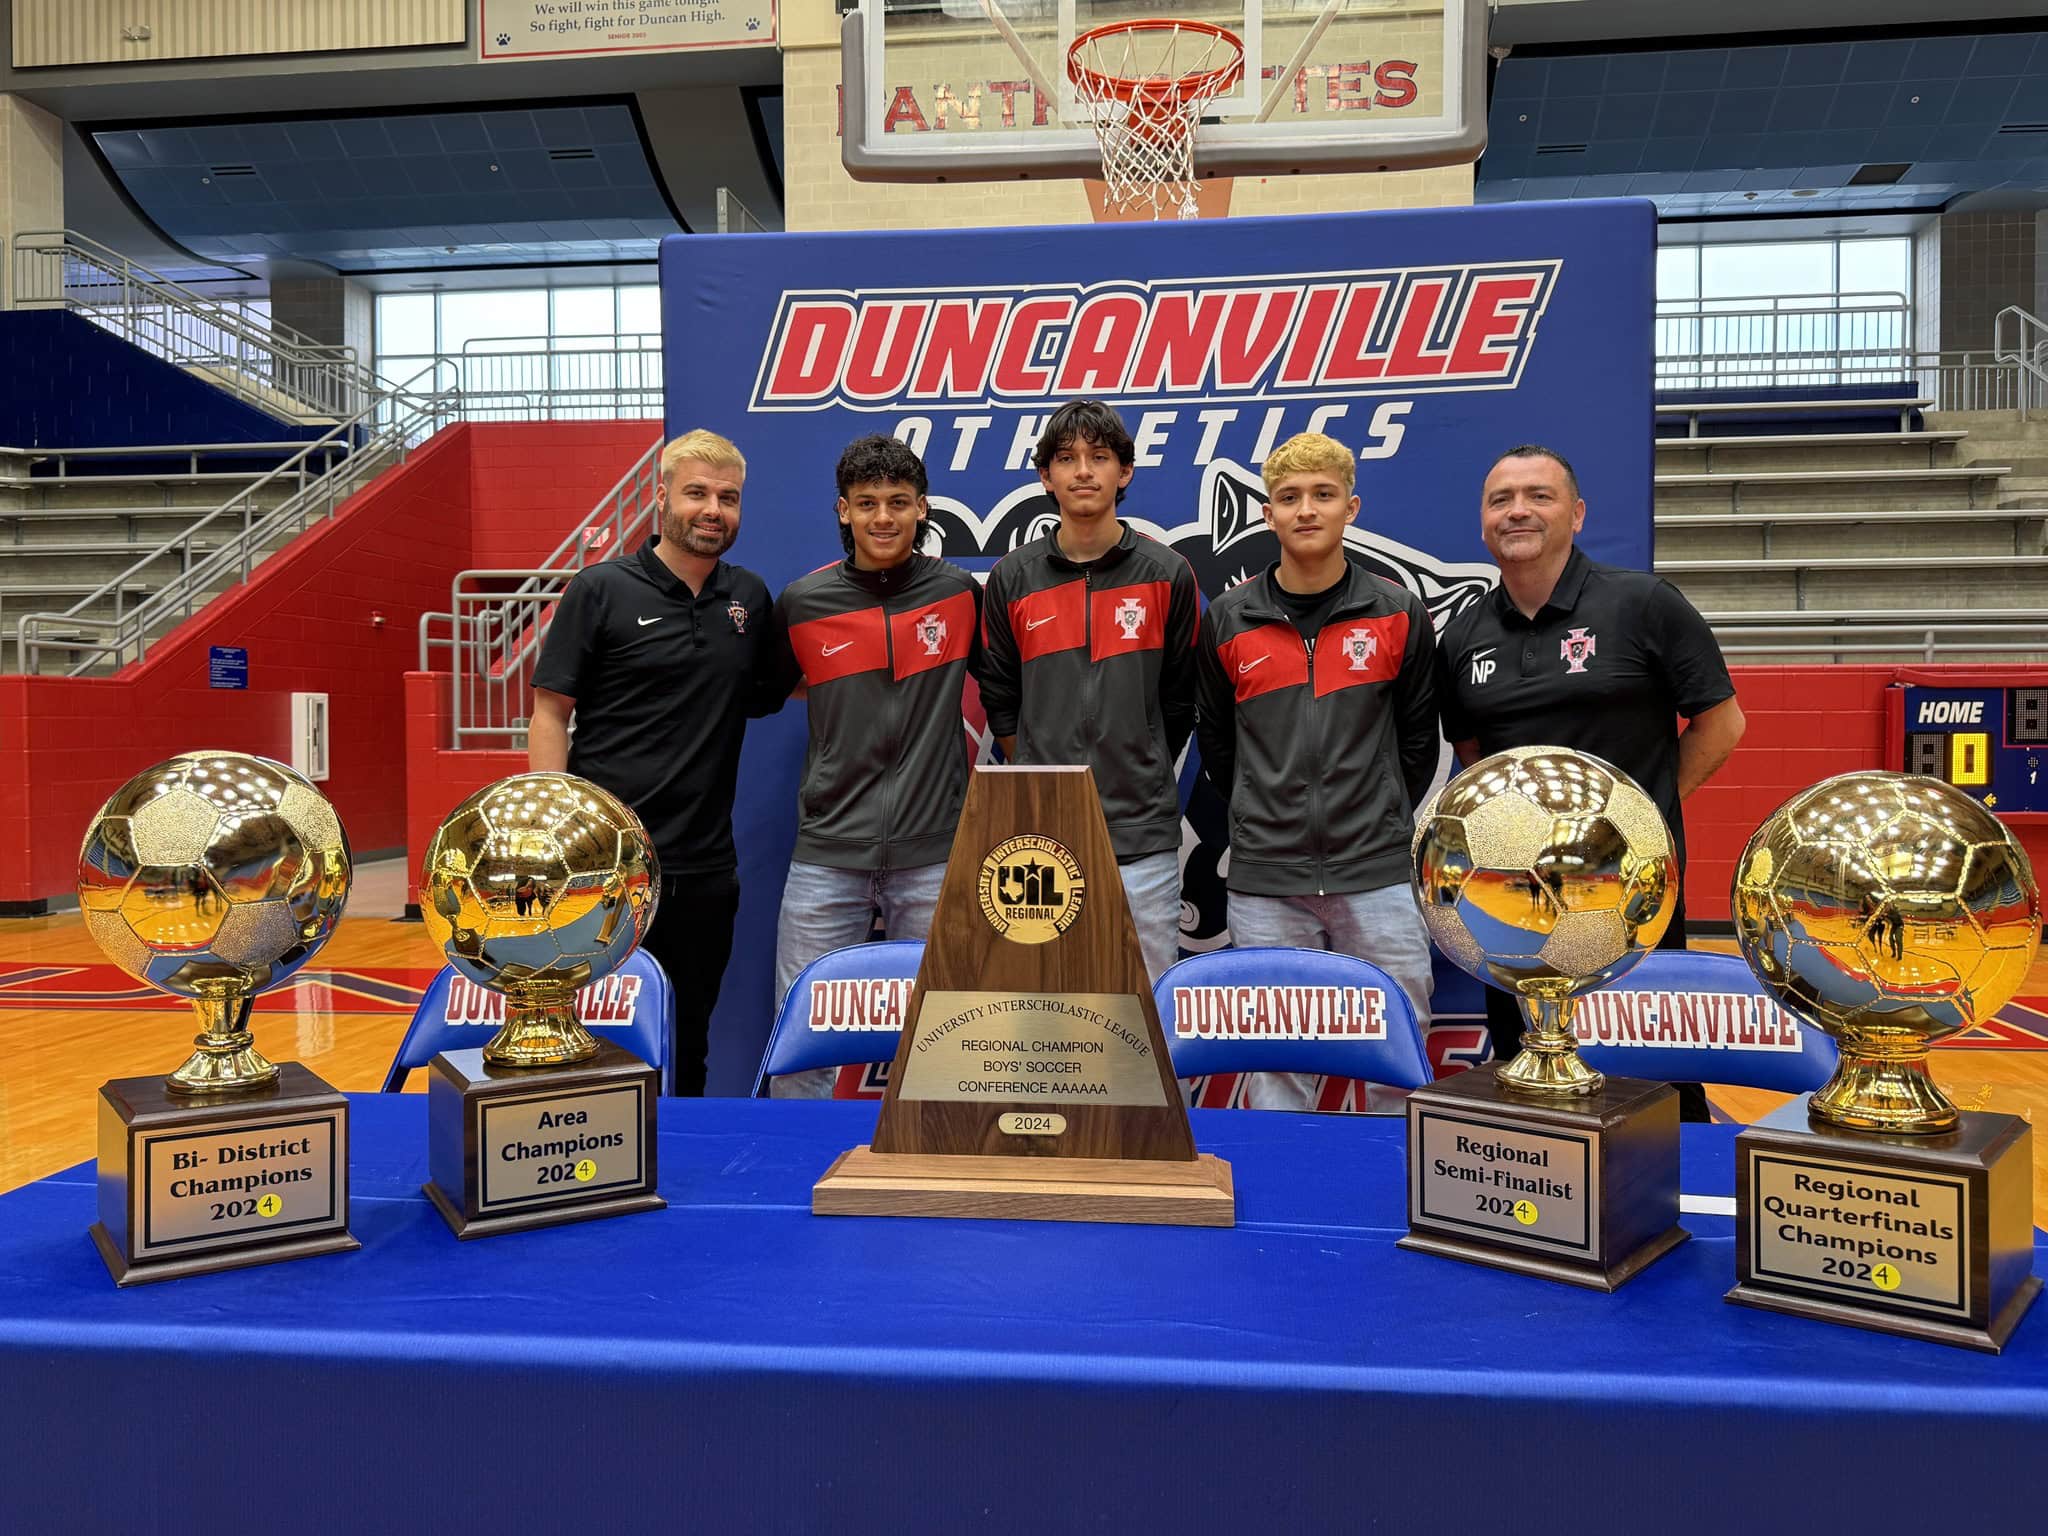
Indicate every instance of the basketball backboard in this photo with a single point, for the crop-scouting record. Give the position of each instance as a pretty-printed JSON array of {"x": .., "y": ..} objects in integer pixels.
[{"x": 977, "y": 90}]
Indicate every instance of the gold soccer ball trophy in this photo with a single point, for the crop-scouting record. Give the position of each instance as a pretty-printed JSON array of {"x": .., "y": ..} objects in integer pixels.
[
  {"x": 214, "y": 876},
  {"x": 1891, "y": 911},
  {"x": 535, "y": 887},
  {"x": 1547, "y": 873}
]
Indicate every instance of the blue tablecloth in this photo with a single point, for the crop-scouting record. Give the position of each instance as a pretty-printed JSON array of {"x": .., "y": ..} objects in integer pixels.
[{"x": 734, "y": 1363}]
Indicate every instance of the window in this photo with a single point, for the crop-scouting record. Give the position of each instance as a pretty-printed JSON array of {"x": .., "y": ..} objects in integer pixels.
[
  {"x": 528, "y": 353},
  {"x": 1802, "y": 312}
]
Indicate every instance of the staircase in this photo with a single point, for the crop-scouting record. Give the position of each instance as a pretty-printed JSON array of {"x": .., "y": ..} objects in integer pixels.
[
  {"x": 98, "y": 568},
  {"x": 270, "y": 366},
  {"x": 1878, "y": 544}
]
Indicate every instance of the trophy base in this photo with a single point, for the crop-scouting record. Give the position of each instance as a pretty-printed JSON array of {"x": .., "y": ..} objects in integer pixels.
[
  {"x": 1608, "y": 1278},
  {"x": 1930, "y": 1237},
  {"x": 126, "y": 1273},
  {"x": 1579, "y": 1188},
  {"x": 515, "y": 1148},
  {"x": 526, "y": 1221},
  {"x": 193, "y": 1183},
  {"x": 864, "y": 1182}
]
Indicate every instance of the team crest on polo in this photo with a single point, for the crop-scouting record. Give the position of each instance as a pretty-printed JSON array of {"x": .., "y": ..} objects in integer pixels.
[
  {"x": 1360, "y": 646},
  {"x": 738, "y": 614},
  {"x": 1577, "y": 649},
  {"x": 931, "y": 633},
  {"x": 1130, "y": 617},
  {"x": 1031, "y": 889}
]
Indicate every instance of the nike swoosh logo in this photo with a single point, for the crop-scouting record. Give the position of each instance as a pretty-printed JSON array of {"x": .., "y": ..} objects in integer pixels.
[
  {"x": 655, "y": 620},
  {"x": 1477, "y": 654},
  {"x": 1034, "y": 623},
  {"x": 834, "y": 650},
  {"x": 1246, "y": 666}
]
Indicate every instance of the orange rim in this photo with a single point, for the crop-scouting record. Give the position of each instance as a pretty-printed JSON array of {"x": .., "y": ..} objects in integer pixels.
[{"x": 1194, "y": 85}]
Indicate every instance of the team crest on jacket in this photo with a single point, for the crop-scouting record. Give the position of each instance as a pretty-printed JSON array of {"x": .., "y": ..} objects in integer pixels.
[
  {"x": 1360, "y": 646},
  {"x": 737, "y": 612},
  {"x": 1577, "y": 649},
  {"x": 931, "y": 633},
  {"x": 1130, "y": 617}
]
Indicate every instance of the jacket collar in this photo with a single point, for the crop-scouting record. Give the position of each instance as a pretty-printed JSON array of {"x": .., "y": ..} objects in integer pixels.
[
  {"x": 1109, "y": 557},
  {"x": 1360, "y": 595},
  {"x": 888, "y": 583}
]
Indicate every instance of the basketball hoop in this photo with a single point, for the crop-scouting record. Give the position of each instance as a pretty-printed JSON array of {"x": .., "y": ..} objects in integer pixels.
[{"x": 1145, "y": 84}]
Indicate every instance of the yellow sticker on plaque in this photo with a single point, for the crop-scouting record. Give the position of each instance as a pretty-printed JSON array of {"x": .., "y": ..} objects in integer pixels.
[
  {"x": 585, "y": 1171},
  {"x": 1031, "y": 1048},
  {"x": 1525, "y": 1212},
  {"x": 1031, "y": 889},
  {"x": 269, "y": 1205},
  {"x": 1885, "y": 1278}
]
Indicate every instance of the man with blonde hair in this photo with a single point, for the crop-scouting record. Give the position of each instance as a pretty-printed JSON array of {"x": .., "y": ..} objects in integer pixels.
[
  {"x": 1317, "y": 722},
  {"x": 660, "y": 656}
]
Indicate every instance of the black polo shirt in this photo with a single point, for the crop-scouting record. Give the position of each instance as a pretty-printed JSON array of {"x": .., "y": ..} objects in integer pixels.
[
  {"x": 663, "y": 682},
  {"x": 1608, "y": 665}
]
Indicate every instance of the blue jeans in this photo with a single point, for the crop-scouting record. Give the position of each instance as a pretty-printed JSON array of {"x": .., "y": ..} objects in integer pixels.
[
  {"x": 827, "y": 909},
  {"x": 1152, "y": 887},
  {"x": 1382, "y": 927}
]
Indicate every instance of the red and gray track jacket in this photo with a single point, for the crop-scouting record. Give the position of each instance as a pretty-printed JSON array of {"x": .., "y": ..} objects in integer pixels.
[
  {"x": 1322, "y": 747},
  {"x": 884, "y": 655},
  {"x": 1094, "y": 663}
]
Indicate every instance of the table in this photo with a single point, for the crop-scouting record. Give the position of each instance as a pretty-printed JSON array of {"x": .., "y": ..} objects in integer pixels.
[{"x": 734, "y": 1363}]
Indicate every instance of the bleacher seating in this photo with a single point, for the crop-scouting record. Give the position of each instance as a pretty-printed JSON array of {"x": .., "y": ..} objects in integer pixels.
[
  {"x": 1922, "y": 517},
  {"x": 73, "y": 520}
]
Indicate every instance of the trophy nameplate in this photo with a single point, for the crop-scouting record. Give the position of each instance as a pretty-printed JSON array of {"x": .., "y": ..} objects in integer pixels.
[
  {"x": 1582, "y": 1189},
  {"x": 189, "y": 1183},
  {"x": 512, "y": 1148},
  {"x": 1927, "y": 1236},
  {"x": 1031, "y": 1081}
]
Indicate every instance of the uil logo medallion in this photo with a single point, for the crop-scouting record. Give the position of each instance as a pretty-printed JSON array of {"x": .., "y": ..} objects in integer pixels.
[
  {"x": 1130, "y": 617},
  {"x": 1577, "y": 649},
  {"x": 1031, "y": 889}
]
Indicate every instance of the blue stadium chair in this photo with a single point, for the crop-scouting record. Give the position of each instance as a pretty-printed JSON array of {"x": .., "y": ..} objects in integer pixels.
[
  {"x": 646, "y": 1032},
  {"x": 1395, "y": 1057},
  {"x": 795, "y": 1046},
  {"x": 1782, "y": 1053}
]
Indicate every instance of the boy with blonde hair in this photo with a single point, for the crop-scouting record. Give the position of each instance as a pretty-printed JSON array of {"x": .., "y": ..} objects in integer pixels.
[
  {"x": 660, "y": 656},
  {"x": 1316, "y": 714}
]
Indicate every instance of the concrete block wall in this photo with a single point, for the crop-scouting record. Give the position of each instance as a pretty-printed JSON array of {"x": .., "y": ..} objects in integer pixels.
[{"x": 819, "y": 195}]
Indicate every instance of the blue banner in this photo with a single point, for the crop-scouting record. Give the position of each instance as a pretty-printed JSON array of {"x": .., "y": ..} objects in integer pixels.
[{"x": 1430, "y": 340}]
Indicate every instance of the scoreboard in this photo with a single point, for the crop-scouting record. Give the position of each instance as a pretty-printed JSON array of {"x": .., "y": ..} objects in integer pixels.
[{"x": 1989, "y": 741}]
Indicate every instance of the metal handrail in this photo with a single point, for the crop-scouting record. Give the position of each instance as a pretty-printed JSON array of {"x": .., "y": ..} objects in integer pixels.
[
  {"x": 607, "y": 381},
  {"x": 2028, "y": 353},
  {"x": 269, "y": 365},
  {"x": 408, "y": 420},
  {"x": 494, "y": 633}
]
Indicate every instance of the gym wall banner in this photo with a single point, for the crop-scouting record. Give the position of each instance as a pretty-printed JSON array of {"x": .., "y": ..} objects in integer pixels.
[{"x": 1428, "y": 340}]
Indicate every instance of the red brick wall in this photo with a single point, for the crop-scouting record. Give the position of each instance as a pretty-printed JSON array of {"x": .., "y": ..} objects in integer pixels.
[
  {"x": 308, "y": 620},
  {"x": 438, "y": 778},
  {"x": 1805, "y": 724},
  {"x": 529, "y": 490}
]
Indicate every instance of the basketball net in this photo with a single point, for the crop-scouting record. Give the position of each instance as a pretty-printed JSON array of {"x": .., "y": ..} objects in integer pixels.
[{"x": 1144, "y": 85}]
